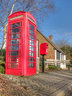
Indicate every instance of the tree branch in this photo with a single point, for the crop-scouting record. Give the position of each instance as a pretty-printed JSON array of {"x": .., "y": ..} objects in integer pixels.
[{"x": 13, "y": 7}]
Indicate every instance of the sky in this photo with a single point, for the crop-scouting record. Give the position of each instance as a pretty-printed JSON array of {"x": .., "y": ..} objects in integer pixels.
[{"x": 59, "y": 23}]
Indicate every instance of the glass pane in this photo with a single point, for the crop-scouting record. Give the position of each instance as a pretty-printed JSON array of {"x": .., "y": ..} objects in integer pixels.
[
  {"x": 15, "y": 36},
  {"x": 14, "y": 47},
  {"x": 16, "y": 30},
  {"x": 31, "y": 42},
  {"x": 16, "y": 41},
  {"x": 31, "y": 48},
  {"x": 31, "y": 26},
  {"x": 13, "y": 59},
  {"x": 31, "y": 54},
  {"x": 31, "y": 65},
  {"x": 31, "y": 37},
  {"x": 15, "y": 25},
  {"x": 31, "y": 59},
  {"x": 32, "y": 32},
  {"x": 14, "y": 53},
  {"x": 14, "y": 65}
]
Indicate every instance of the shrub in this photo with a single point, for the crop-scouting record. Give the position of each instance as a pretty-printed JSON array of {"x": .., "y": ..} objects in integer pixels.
[
  {"x": 53, "y": 67},
  {"x": 3, "y": 53},
  {"x": 2, "y": 70},
  {"x": 2, "y": 60}
]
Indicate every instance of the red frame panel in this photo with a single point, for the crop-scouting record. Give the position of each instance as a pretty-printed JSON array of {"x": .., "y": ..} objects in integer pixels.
[{"x": 24, "y": 32}]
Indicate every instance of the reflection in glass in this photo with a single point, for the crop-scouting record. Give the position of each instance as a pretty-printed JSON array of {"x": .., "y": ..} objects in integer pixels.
[
  {"x": 31, "y": 26},
  {"x": 15, "y": 25},
  {"x": 15, "y": 36},
  {"x": 14, "y": 53},
  {"x": 31, "y": 59},
  {"x": 16, "y": 30},
  {"x": 14, "y": 65},
  {"x": 13, "y": 59},
  {"x": 31, "y": 65},
  {"x": 31, "y": 42},
  {"x": 31, "y": 54},
  {"x": 32, "y": 32},
  {"x": 16, "y": 41},
  {"x": 31, "y": 48},
  {"x": 31, "y": 37},
  {"x": 14, "y": 47}
]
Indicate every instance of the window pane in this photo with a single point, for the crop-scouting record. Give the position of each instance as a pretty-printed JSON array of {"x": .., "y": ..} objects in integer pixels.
[
  {"x": 14, "y": 53},
  {"x": 31, "y": 37},
  {"x": 31, "y": 54},
  {"x": 31, "y": 48},
  {"x": 32, "y": 32},
  {"x": 15, "y": 30},
  {"x": 31, "y": 26},
  {"x": 16, "y": 41},
  {"x": 15, "y": 25},
  {"x": 15, "y": 36},
  {"x": 14, "y": 65},
  {"x": 31, "y": 65},
  {"x": 31, "y": 59},
  {"x": 31, "y": 42},
  {"x": 14, "y": 47},
  {"x": 13, "y": 59}
]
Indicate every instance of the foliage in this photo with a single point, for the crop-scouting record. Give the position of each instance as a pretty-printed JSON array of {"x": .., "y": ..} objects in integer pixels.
[
  {"x": 2, "y": 60},
  {"x": 2, "y": 70},
  {"x": 68, "y": 51},
  {"x": 53, "y": 67}
]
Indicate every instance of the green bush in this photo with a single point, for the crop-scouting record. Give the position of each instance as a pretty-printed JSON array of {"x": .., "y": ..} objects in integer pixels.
[
  {"x": 2, "y": 57},
  {"x": 3, "y": 54},
  {"x": 53, "y": 67},
  {"x": 2, "y": 70},
  {"x": 2, "y": 60}
]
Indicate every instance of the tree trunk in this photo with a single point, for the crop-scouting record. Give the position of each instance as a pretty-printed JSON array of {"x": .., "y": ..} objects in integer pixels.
[
  {"x": 4, "y": 41},
  {"x": 4, "y": 38}
]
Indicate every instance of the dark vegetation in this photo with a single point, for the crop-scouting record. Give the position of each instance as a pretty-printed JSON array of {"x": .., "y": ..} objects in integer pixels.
[
  {"x": 67, "y": 49},
  {"x": 53, "y": 67},
  {"x": 2, "y": 60},
  {"x": 50, "y": 67}
]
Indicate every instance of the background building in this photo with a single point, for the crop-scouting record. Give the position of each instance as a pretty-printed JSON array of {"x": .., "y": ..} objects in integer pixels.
[{"x": 55, "y": 55}]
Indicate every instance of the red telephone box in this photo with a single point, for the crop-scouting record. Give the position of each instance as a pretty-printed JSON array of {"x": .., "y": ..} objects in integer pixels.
[{"x": 21, "y": 44}]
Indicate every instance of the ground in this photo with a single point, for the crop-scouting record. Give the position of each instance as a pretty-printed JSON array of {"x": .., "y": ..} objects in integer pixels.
[{"x": 55, "y": 83}]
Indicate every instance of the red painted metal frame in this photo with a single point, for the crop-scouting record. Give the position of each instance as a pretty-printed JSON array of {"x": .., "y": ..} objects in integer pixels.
[{"x": 24, "y": 63}]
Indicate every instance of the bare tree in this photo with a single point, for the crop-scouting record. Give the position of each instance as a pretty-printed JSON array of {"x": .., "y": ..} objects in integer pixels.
[
  {"x": 39, "y": 8},
  {"x": 62, "y": 42}
]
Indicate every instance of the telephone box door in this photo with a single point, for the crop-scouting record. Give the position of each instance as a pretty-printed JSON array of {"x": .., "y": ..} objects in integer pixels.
[{"x": 13, "y": 55}]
